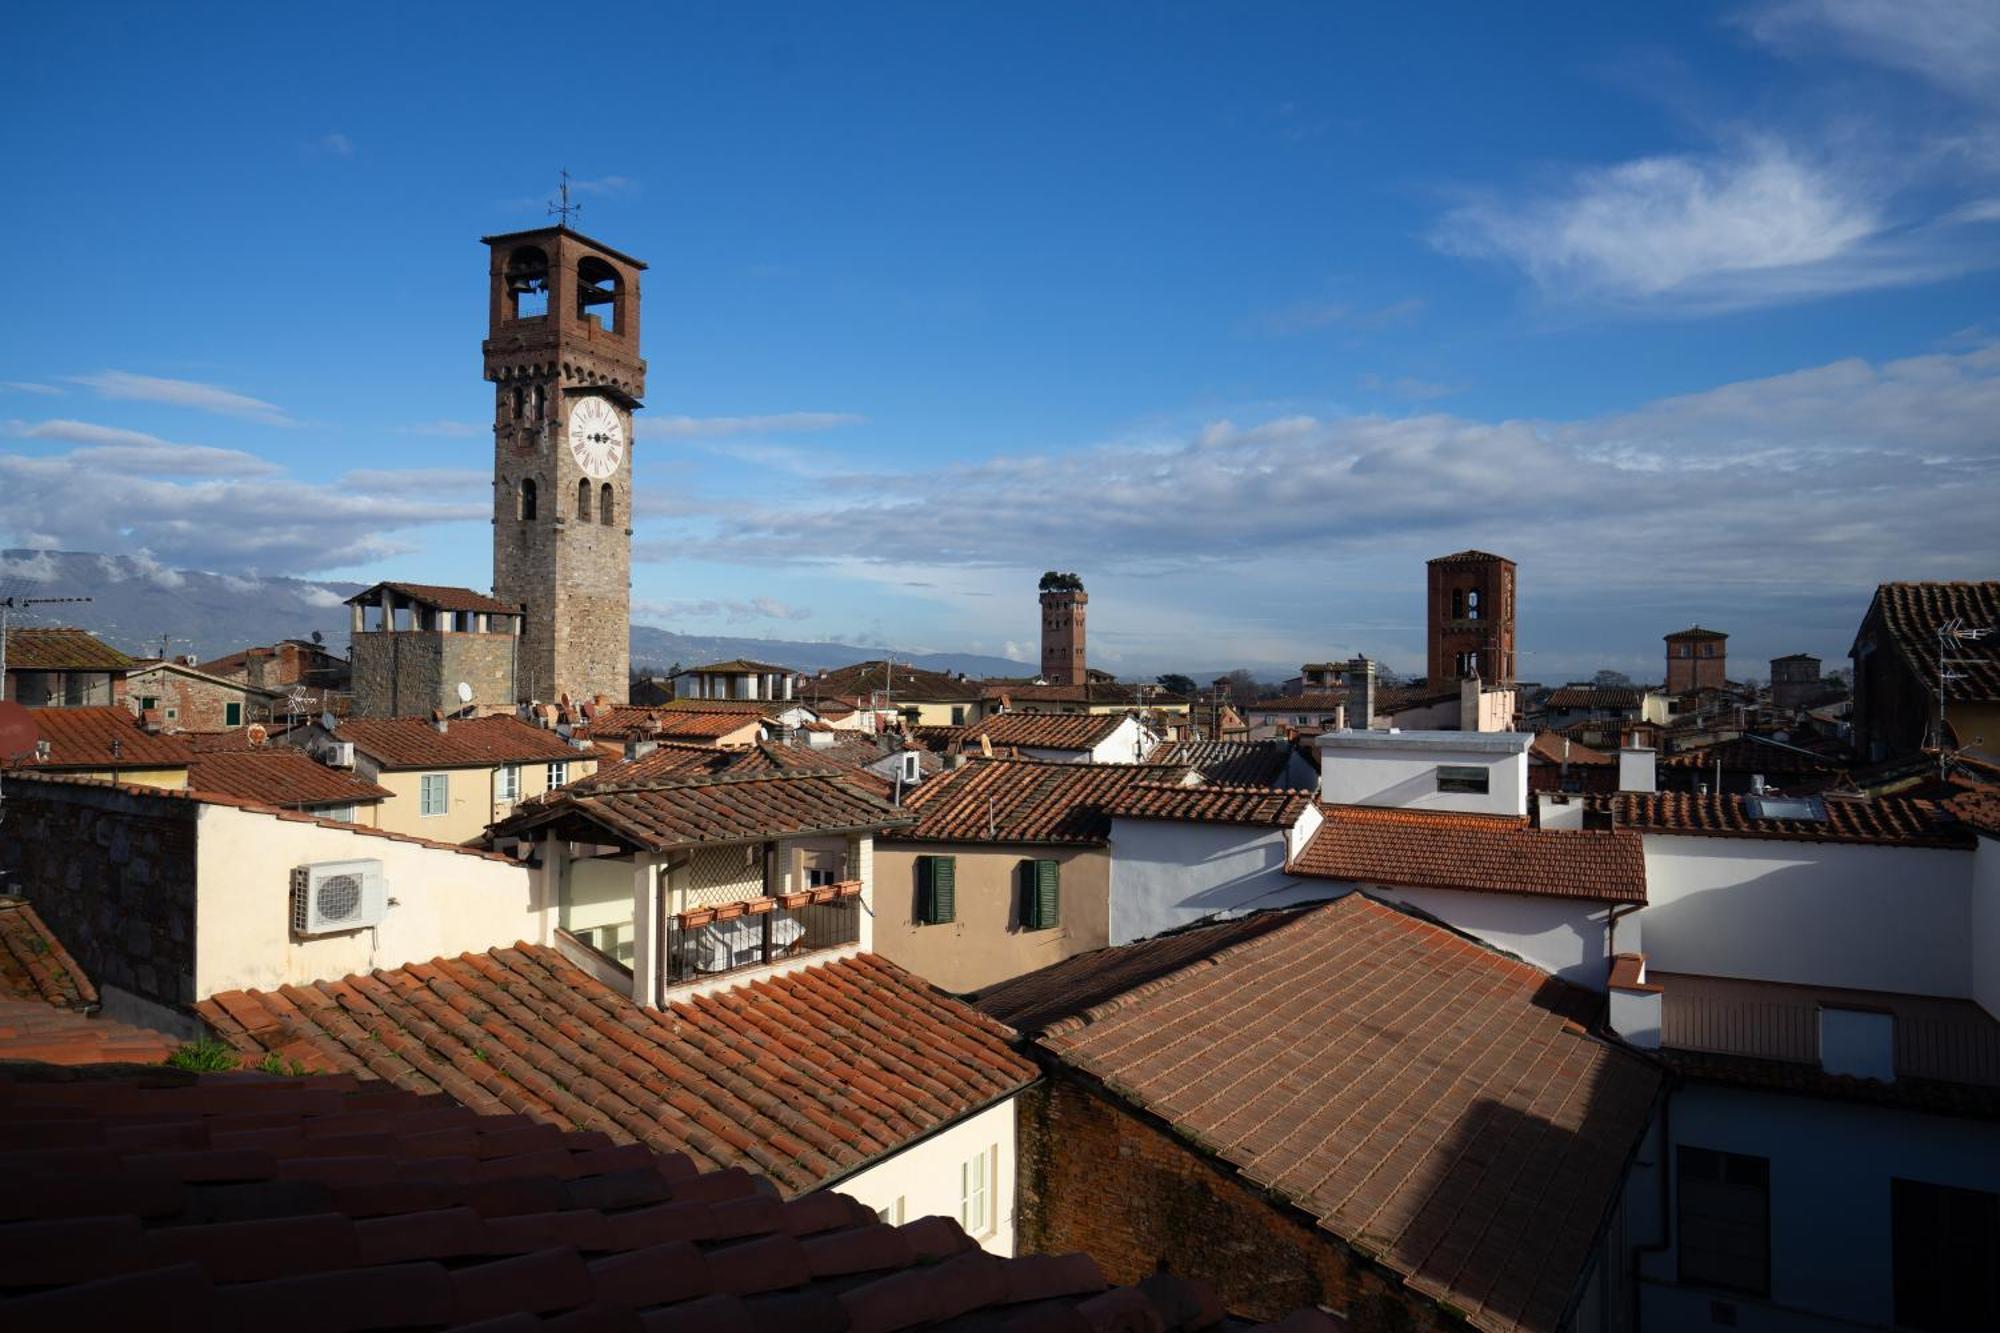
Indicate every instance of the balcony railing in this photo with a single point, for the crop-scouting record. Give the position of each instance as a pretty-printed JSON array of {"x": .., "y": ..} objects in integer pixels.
[{"x": 711, "y": 942}]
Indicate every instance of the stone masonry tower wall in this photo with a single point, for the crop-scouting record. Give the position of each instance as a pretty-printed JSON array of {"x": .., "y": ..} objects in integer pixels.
[
  {"x": 1697, "y": 659},
  {"x": 1062, "y": 635},
  {"x": 563, "y": 356},
  {"x": 1470, "y": 625}
]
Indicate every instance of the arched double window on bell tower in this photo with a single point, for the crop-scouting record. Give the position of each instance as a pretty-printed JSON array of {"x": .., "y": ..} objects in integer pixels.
[
  {"x": 600, "y": 292},
  {"x": 583, "y": 500},
  {"x": 605, "y": 505},
  {"x": 527, "y": 283}
]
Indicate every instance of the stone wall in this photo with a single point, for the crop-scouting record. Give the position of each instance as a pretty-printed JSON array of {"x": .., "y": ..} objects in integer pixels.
[
  {"x": 114, "y": 877},
  {"x": 1098, "y": 1178},
  {"x": 194, "y": 704},
  {"x": 408, "y": 673}
]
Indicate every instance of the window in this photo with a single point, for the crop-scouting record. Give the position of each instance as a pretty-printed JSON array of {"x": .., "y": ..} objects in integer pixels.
[
  {"x": 527, "y": 283},
  {"x": 604, "y": 505},
  {"x": 1464, "y": 779},
  {"x": 1041, "y": 883},
  {"x": 1458, "y": 603},
  {"x": 1725, "y": 1219},
  {"x": 597, "y": 289},
  {"x": 436, "y": 794},
  {"x": 341, "y": 814},
  {"x": 558, "y": 773},
  {"x": 1708, "y": 650},
  {"x": 958, "y": 715},
  {"x": 1466, "y": 664},
  {"x": 524, "y": 506},
  {"x": 1945, "y": 1249},
  {"x": 974, "y": 1211},
  {"x": 1472, "y": 606},
  {"x": 510, "y": 783},
  {"x": 937, "y": 890},
  {"x": 583, "y": 499},
  {"x": 232, "y": 715}
]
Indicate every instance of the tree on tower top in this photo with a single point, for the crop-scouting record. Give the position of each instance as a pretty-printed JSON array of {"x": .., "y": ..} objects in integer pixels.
[{"x": 1054, "y": 582}]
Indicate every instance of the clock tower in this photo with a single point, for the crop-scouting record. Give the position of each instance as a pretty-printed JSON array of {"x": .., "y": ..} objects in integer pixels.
[{"x": 562, "y": 354}]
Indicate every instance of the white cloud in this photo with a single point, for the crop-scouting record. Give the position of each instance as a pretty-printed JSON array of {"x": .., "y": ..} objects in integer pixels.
[
  {"x": 778, "y": 423},
  {"x": 337, "y": 144},
  {"x": 456, "y": 481},
  {"x": 314, "y": 595},
  {"x": 735, "y": 612},
  {"x": 184, "y": 393},
  {"x": 30, "y": 386},
  {"x": 1952, "y": 43},
  {"x": 136, "y": 452},
  {"x": 36, "y": 567}
]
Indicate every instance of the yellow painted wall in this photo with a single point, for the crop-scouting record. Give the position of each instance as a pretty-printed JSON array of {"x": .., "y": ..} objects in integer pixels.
[
  {"x": 473, "y": 798},
  {"x": 173, "y": 779},
  {"x": 986, "y": 944}
]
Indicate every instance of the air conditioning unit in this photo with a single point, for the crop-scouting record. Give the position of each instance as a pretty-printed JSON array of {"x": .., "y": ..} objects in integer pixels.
[
  {"x": 333, "y": 896},
  {"x": 339, "y": 754}
]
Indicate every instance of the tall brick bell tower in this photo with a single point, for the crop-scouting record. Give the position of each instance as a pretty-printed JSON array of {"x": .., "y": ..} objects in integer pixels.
[{"x": 562, "y": 353}]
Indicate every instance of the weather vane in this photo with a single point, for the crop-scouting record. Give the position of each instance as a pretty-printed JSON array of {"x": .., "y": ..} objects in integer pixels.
[{"x": 565, "y": 209}]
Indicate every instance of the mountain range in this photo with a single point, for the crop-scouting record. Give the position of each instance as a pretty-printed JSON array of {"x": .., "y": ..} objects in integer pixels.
[{"x": 146, "y": 609}]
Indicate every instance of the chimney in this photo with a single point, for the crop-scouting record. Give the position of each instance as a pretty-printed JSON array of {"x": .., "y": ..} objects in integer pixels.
[
  {"x": 1360, "y": 675},
  {"x": 636, "y": 748},
  {"x": 1635, "y": 1002},
  {"x": 438, "y": 722},
  {"x": 149, "y": 721},
  {"x": 1635, "y": 769}
]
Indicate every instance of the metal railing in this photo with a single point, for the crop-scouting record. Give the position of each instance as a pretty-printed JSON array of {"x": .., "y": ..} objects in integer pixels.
[{"x": 734, "y": 937}]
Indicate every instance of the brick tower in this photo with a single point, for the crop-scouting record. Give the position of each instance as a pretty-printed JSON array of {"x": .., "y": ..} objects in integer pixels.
[
  {"x": 1470, "y": 628},
  {"x": 1697, "y": 659},
  {"x": 562, "y": 352},
  {"x": 1063, "y": 602}
]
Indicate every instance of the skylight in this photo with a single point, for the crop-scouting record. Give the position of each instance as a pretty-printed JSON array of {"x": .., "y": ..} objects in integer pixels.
[{"x": 1808, "y": 808}]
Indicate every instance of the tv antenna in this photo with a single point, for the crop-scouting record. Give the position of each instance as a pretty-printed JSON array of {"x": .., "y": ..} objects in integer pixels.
[
  {"x": 562, "y": 208},
  {"x": 1950, "y": 633}
]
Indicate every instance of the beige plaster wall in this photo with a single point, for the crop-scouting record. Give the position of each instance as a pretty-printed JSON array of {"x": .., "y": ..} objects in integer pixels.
[
  {"x": 473, "y": 802},
  {"x": 987, "y": 943},
  {"x": 446, "y": 902}
]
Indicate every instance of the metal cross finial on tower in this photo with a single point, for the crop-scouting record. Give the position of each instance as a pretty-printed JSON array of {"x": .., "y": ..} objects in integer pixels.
[{"x": 564, "y": 209}]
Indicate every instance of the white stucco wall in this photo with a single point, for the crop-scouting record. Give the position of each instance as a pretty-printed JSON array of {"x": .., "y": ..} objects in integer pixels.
[
  {"x": 1354, "y": 772},
  {"x": 446, "y": 902},
  {"x": 1986, "y": 925},
  {"x": 1561, "y": 935},
  {"x": 923, "y": 1180},
  {"x": 1169, "y": 873},
  {"x": 1831, "y": 1164},
  {"x": 1864, "y": 916}
]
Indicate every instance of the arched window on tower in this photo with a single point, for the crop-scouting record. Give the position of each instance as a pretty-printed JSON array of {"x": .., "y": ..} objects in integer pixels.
[
  {"x": 539, "y": 399},
  {"x": 598, "y": 290},
  {"x": 606, "y": 509},
  {"x": 527, "y": 283},
  {"x": 524, "y": 504},
  {"x": 583, "y": 499},
  {"x": 520, "y": 401}
]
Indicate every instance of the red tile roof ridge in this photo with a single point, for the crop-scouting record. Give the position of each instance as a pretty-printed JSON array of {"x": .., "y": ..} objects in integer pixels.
[
  {"x": 1473, "y": 853},
  {"x": 1424, "y": 818},
  {"x": 34, "y": 963},
  {"x": 254, "y": 808}
]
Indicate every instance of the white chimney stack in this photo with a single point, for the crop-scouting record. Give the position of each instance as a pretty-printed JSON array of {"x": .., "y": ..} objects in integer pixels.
[{"x": 1636, "y": 769}]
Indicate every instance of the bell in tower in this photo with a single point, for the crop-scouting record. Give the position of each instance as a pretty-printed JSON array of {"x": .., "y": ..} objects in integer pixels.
[{"x": 562, "y": 352}]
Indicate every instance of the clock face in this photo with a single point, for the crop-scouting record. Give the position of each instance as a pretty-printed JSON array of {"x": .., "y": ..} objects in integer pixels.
[{"x": 596, "y": 437}]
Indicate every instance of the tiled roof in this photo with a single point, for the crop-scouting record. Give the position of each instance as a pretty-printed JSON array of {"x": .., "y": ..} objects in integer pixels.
[
  {"x": 1023, "y": 800},
  {"x": 683, "y": 812},
  {"x": 466, "y": 742},
  {"x": 802, "y": 1077},
  {"x": 61, "y": 648},
  {"x": 1596, "y": 696},
  {"x": 1099, "y": 692},
  {"x": 1312, "y": 701},
  {"x": 279, "y": 776},
  {"x": 664, "y": 723},
  {"x": 754, "y": 707},
  {"x": 1549, "y": 748},
  {"x": 252, "y": 807},
  {"x": 441, "y": 596},
  {"x": 85, "y": 738},
  {"x": 674, "y": 761},
  {"x": 1979, "y": 809},
  {"x": 236, "y": 738},
  {"x": 47, "y": 1004},
  {"x": 1468, "y": 557},
  {"x": 1428, "y": 1100},
  {"x": 1229, "y": 763},
  {"x": 1391, "y": 699},
  {"x": 904, "y": 684},
  {"x": 1046, "y": 731},
  {"x": 1910, "y": 614},
  {"x": 1766, "y": 1034},
  {"x": 1431, "y": 849},
  {"x": 1881, "y": 819},
  {"x": 1210, "y": 803},
  {"x": 1696, "y": 632},
  {"x": 1031, "y": 1002},
  {"x": 737, "y": 666},
  {"x": 1748, "y": 754},
  {"x": 157, "y": 1199}
]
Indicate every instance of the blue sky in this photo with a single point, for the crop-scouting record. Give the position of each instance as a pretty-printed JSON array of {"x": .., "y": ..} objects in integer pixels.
[{"x": 1240, "y": 312}]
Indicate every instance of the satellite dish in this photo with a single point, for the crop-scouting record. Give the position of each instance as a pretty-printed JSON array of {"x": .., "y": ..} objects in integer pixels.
[
  {"x": 464, "y": 693},
  {"x": 318, "y": 637},
  {"x": 17, "y": 731}
]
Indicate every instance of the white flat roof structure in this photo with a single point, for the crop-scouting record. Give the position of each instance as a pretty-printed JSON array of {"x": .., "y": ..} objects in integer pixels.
[{"x": 1490, "y": 742}]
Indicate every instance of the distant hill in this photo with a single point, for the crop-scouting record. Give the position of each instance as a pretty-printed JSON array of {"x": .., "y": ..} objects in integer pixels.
[{"x": 135, "y": 601}]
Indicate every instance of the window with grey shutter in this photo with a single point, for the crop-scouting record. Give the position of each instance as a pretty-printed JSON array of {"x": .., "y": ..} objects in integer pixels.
[
  {"x": 1043, "y": 909},
  {"x": 937, "y": 885}
]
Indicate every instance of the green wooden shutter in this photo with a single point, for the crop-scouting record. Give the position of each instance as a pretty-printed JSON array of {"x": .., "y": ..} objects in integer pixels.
[
  {"x": 1048, "y": 894},
  {"x": 938, "y": 882}
]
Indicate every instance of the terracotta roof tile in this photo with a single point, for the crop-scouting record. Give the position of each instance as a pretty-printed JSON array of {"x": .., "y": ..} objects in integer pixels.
[
  {"x": 1477, "y": 853},
  {"x": 801, "y": 1077},
  {"x": 33, "y": 963},
  {"x": 1023, "y": 800},
  {"x": 1695, "y": 632},
  {"x": 1882, "y": 819},
  {"x": 100, "y": 738},
  {"x": 1979, "y": 809},
  {"x": 1426, "y": 1099},
  {"x": 441, "y": 596},
  {"x": 670, "y": 723},
  {"x": 48, "y": 1006},
  {"x": 1044, "y": 731},
  {"x": 1748, "y": 754},
  {"x": 1210, "y": 803},
  {"x": 279, "y": 777},
  {"x": 688, "y": 1251},
  {"x": 1469, "y": 558},
  {"x": 1597, "y": 696},
  {"x": 1312, "y": 701},
  {"x": 898, "y": 682},
  {"x": 1231, "y": 763},
  {"x": 1550, "y": 748},
  {"x": 1096, "y": 693},
  {"x": 1910, "y": 614},
  {"x": 469, "y": 742},
  {"x": 62, "y": 648},
  {"x": 663, "y": 812}
]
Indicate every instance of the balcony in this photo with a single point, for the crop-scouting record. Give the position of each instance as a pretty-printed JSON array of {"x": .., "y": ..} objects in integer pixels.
[{"x": 709, "y": 942}]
